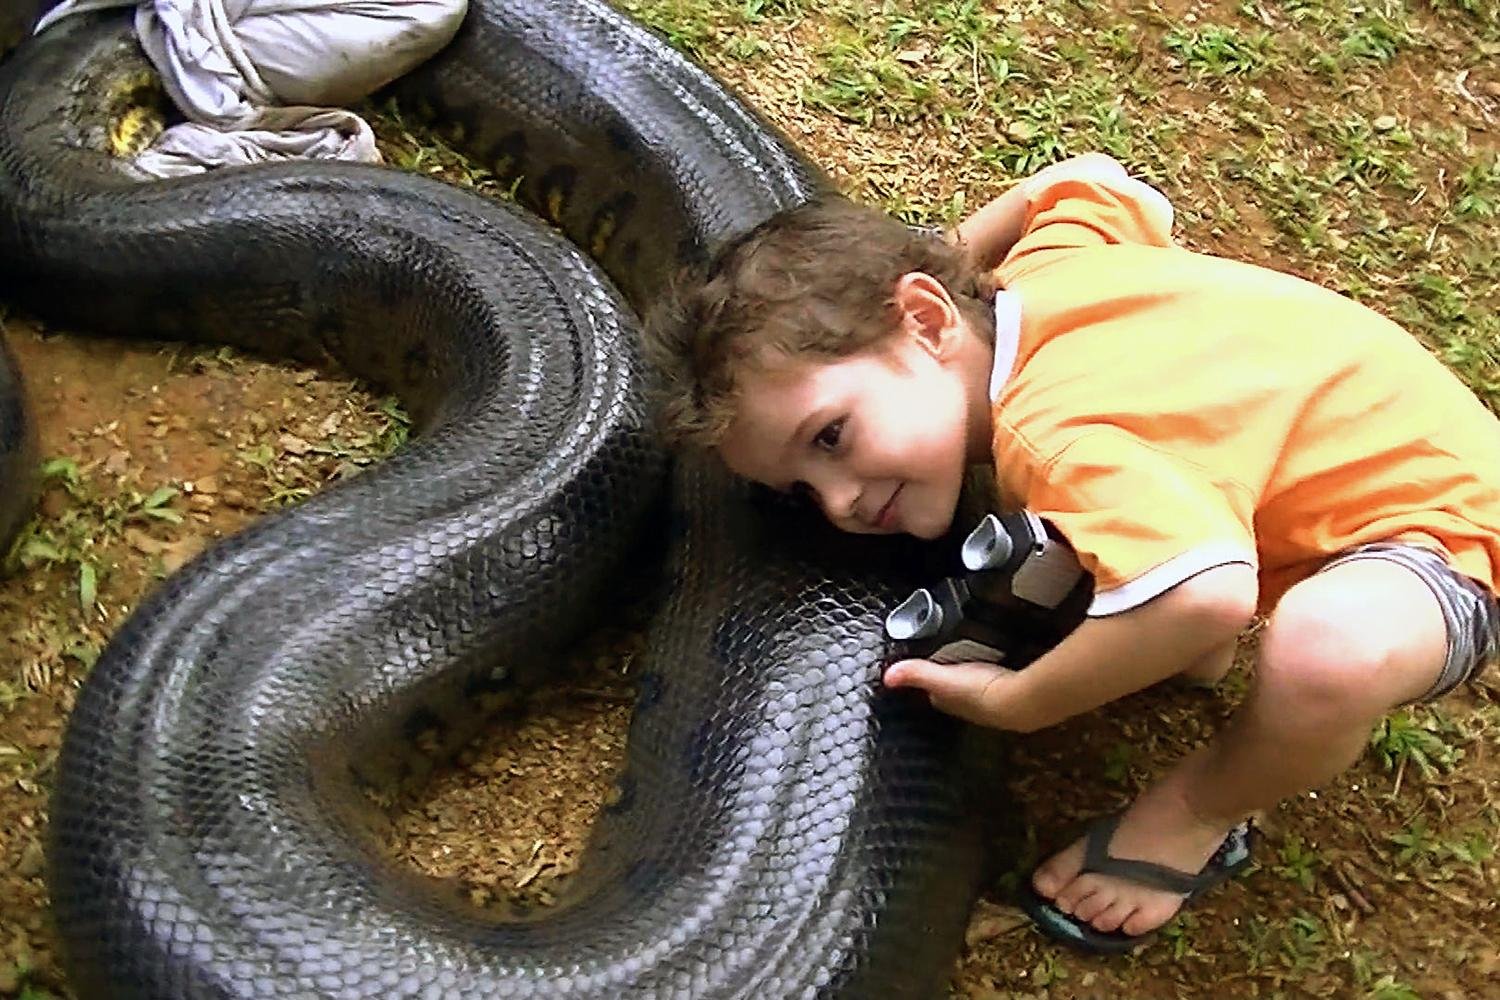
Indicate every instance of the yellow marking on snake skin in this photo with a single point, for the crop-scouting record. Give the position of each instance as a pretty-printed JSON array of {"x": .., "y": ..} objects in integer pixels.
[
  {"x": 600, "y": 237},
  {"x": 135, "y": 103},
  {"x": 124, "y": 89},
  {"x": 555, "y": 204},
  {"x": 134, "y": 130}
]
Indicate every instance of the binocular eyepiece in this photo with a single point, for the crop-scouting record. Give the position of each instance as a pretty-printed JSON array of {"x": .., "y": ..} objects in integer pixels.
[{"x": 1014, "y": 564}]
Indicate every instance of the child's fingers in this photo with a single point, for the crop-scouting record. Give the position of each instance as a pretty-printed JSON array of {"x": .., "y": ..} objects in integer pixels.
[
  {"x": 922, "y": 674},
  {"x": 972, "y": 691}
]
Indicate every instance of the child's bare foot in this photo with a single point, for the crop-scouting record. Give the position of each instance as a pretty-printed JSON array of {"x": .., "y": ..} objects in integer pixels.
[{"x": 1157, "y": 828}]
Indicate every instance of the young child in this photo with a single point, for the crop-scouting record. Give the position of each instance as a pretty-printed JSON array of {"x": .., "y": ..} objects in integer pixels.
[{"x": 1212, "y": 439}]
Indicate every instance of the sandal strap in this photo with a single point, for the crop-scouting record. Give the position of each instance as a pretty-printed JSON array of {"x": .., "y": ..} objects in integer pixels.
[{"x": 1096, "y": 858}]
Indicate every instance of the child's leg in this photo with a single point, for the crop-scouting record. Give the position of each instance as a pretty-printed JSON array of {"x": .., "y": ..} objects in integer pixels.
[
  {"x": 1342, "y": 648},
  {"x": 1210, "y": 668}
]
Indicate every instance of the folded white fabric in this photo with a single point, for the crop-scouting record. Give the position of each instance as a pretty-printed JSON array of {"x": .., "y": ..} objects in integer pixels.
[{"x": 254, "y": 77}]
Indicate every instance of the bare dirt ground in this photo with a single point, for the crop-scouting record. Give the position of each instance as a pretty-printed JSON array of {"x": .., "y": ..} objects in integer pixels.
[{"x": 1380, "y": 886}]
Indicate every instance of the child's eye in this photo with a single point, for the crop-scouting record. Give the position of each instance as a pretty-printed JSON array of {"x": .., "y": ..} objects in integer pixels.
[{"x": 828, "y": 437}]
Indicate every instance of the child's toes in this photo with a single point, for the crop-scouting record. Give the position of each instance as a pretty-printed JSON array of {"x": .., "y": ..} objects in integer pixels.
[
  {"x": 1057, "y": 871},
  {"x": 1092, "y": 905},
  {"x": 1068, "y": 898},
  {"x": 1114, "y": 916},
  {"x": 1150, "y": 915}
]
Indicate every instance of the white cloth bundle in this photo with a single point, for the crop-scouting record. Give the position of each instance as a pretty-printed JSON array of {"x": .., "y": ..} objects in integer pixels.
[{"x": 254, "y": 77}]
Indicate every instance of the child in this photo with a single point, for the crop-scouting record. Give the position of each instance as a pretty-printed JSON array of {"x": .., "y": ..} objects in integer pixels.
[{"x": 1211, "y": 438}]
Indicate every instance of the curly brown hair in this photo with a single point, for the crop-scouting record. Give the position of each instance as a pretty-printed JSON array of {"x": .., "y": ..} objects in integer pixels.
[{"x": 815, "y": 280}]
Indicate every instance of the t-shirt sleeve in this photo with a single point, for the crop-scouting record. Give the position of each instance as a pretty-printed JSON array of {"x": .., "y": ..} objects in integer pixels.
[
  {"x": 1092, "y": 203},
  {"x": 1140, "y": 520}
]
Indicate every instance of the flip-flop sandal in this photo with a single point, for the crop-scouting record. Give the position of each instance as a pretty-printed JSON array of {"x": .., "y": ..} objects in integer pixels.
[{"x": 1232, "y": 856}]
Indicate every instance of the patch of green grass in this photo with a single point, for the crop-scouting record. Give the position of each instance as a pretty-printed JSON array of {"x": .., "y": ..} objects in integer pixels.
[
  {"x": 1478, "y": 193},
  {"x": 1298, "y": 862},
  {"x": 884, "y": 64},
  {"x": 688, "y": 25},
  {"x": 1222, "y": 50},
  {"x": 1049, "y": 971},
  {"x": 1039, "y": 127},
  {"x": 1117, "y": 761},
  {"x": 1433, "y": 851},
  {"x": 756, "y": 10},
  {"x": 1472, "y": 847},
  {"x": 1416, "y": 842},
  {"x": 1332, "y": 39},
  {"x": 1388, "y": 987},
  {"x": 1401, "y": 738},
  {"x": 293, "y": 470},
  {"x": 1119, "y": 42},
  {"x": 860, "y": 82},
  {"x": 28, "y": 988},
  {"x": 424, "y": 150},
  {"x": 1375, "y": 37},
  {"x": 745, "y": 48},
  {"x": 11, "y": 695},
  {"x": 1369, "y": 153},
  {"x": 1303, "y": 942},
  {"x": 1484, "y": 16},
  {"x": 1176, "y": 934},
  {"x": 1297, "y": 205},
  {"x": 1257, "y": 942},
  {"x": 1472, "y": 350},
  {"x": 76, "y": 538},
  {"x": 1440, "y": 295}
]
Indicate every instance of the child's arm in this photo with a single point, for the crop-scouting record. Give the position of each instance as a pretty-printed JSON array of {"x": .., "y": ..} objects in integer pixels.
[
  {"x": 1100, "y": 661},
  {"x": 989, "y": 233}
]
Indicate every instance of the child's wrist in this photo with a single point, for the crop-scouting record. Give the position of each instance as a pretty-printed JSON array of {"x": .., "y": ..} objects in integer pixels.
[{"x": 1029, "y": 699}]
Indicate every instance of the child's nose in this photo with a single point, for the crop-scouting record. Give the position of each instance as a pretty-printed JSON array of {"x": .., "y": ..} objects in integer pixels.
[{"x": 838, "y": 496}]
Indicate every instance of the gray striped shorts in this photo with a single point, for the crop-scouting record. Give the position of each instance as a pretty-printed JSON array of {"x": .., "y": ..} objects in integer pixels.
[{"x": 1471, "y": 613}]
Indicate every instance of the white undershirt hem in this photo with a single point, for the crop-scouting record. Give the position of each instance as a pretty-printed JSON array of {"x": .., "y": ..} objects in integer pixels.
[{"x": 1160, "y": 579}]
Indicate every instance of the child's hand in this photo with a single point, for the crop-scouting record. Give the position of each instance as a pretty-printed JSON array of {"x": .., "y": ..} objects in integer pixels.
[{"x": 979, "y": 692}]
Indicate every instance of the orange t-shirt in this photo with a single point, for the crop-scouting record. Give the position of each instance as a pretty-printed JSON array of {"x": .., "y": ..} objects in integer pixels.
[{"x": 1169, "y": 411}]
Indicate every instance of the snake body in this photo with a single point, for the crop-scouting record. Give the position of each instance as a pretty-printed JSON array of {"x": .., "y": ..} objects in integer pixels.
[
  {"x": 17, "y": 434},
  {"x": 782, "y": 828}
]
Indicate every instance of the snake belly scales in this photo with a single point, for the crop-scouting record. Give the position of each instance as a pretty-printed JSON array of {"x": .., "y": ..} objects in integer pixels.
[{"x": 782, "y": 828}]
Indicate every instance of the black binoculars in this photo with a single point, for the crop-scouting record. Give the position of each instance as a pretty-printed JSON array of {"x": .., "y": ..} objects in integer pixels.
[{"x": 1017, "y": 569}]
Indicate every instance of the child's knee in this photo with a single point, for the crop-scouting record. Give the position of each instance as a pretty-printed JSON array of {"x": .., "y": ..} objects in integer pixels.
[
  {"x": 1362, "y": 636},
  {"x": 1324, "y": 663}
]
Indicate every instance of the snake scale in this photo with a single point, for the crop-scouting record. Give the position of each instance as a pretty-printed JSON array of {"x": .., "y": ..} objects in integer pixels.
[{"x": 781, "y": 828}]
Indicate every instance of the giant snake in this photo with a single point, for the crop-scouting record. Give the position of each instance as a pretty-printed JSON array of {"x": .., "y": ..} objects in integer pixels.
[{"x": 782, "y": 827}]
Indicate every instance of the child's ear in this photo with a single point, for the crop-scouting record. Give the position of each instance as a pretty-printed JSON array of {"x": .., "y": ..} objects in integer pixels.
[{"x": 928, "y": 314}]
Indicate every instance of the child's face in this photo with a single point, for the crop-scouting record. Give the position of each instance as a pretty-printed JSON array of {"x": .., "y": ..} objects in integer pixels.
[{"x": 879, "y": 439}]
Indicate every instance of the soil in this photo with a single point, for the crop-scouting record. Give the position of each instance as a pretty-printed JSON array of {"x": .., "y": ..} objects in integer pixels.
[{"x": 1343, "y": 902}]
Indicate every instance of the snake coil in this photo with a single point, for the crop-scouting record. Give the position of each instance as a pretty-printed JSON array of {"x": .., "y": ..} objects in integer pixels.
[{"x": 782, "y": 829}]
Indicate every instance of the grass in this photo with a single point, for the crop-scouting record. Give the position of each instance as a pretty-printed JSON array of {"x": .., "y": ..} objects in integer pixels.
[
  {"x": 1402, "y": 737},
  {"x": 26, "y": 989},
  {"x": 1478, "y": 194},
  {"x": 1390, "y": 988},
  {"x": 1299, "y": 863},
  {"x": 77, "y": 538},
  {"x": 292, "y": 469},
  {"x": 414, "y": 147},
  {"x": 1222, "y": 50}
]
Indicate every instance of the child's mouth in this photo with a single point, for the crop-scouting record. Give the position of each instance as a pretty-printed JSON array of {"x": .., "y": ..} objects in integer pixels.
[{"x": 886, "y": 519}]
